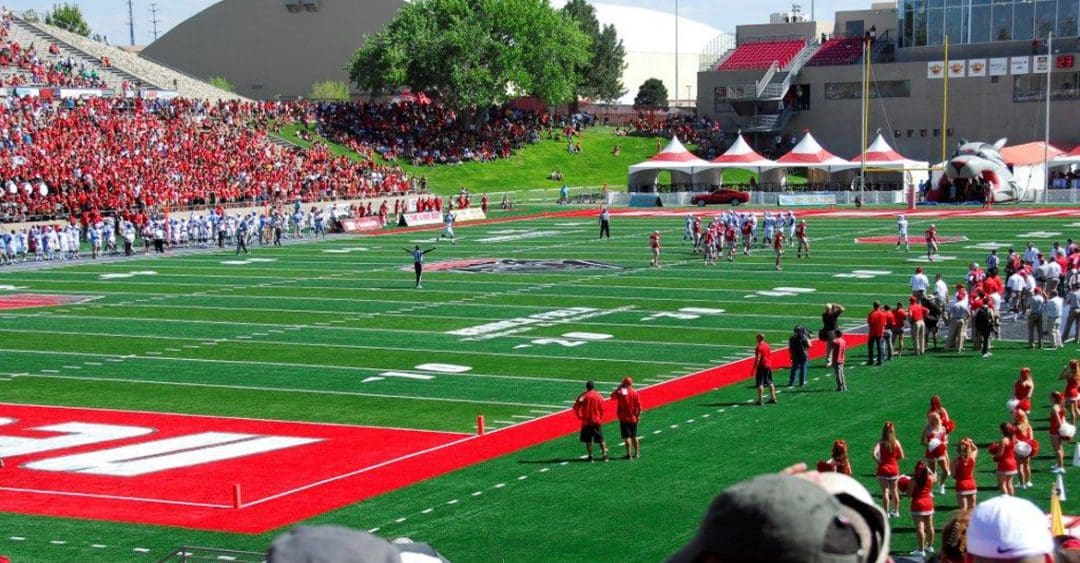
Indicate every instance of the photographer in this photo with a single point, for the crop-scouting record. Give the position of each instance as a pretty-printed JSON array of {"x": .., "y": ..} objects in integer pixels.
[
  {"x": 799, "y": 352},
  {"x": 830, "y": 321}
]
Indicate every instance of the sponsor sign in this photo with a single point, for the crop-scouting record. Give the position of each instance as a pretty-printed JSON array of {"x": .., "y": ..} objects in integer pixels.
[
  {"x": 999, "y": 66},
  {"x": 645, "y": 200},
  {"x": 511, "y": 266},
  {"x": 80, "y": 93},
  {"x": 469, "y": 214},
  {"x": 360, "y": 224},
  {"x": 976, "y": 68},
  {"x": 1042, "y": 64},
  {"x": 817, "y": 198},
  {"x": 157, "y": 94},
  {"x": 1019, "y": 65},
  {"x": 179, "y": 470},
  {"x": 935, "y": 69},
  {"x": 27, "y": 92},
  {"x": 418, "y": 219},
  {"x": 957, "y": 68}
]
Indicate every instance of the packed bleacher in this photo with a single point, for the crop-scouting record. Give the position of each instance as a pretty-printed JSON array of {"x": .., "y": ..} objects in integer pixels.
[
  {"x": 114, "y": 155},
  {"x": 428, "y": 134},
  {"x": 40, "y": 65},
  {"x": 838, "y": 51},
  {"x": 761, "y": 55}
]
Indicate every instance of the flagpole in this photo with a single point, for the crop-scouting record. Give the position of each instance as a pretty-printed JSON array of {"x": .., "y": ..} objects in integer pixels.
[
  {"x": 945, "y": 107},
  {"x": 864, "y": 117},
  {"x": 1046, "y": 132}
]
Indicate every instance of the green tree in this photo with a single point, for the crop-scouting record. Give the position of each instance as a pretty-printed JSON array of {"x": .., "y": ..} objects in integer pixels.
[
  {"x": 330, "y": 90},
  {"x": 652, "y": 95},
  {"x": 601, "y": 76},
  {"x": 221, "y": 83},
  {"x": 69, "y": 17},
  {"x": 473, "y": 53}
]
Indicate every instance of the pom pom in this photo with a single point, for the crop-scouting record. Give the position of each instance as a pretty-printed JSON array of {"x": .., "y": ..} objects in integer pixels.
[
  {"x": 1067, "y": 431},
  {"x": 1022, "y": 449},
  {"x": 826, "y": 466},
  {"x": 933, "y": 444},
  {"x": 950, "y": 426},
  {"x": 904, "y": 482},
  {"x": 995, "y": 448},
  {"x": 1011, "y": 404}
]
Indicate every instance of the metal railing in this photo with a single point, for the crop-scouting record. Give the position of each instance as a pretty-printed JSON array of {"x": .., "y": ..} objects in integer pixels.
[
  {"x": 761, "y": 84},
  {"x": 195, "y": 553}
]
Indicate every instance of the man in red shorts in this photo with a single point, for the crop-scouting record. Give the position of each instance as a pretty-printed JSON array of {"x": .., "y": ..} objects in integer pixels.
[
  {"x": 628, "y": 409},
  {"x": 589, "y": 408},
  {"x": 763, "y": 370}
]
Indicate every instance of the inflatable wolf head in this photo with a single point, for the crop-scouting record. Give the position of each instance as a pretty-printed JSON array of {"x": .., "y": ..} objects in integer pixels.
[{"x": 972, "y": 161}]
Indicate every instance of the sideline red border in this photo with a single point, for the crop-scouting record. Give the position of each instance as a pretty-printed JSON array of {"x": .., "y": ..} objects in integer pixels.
[{"x": 260, "y": 515}]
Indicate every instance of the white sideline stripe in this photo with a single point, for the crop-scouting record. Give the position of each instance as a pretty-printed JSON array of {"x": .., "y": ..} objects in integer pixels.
[
  {"x": 503, "y": 422},
  {"x": 98, "y": 545},
  {"x": 115, "y": 497},
  {"x": 57, "y": 542},
  {"x": 17, "y": 538},
  {"x": 427, "y": 511},
  {"x": 291, "y": 390},
  {"x": 142, "y": 549}
]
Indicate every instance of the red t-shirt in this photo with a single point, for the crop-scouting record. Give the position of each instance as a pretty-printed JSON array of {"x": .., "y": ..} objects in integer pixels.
[
  {"x": 917, "y": 312},
  {"x": 839, "y": 350},
  {"x": 877, "y": 321},
  {"x": 899, "y": 316},
  {"x": 589, "y": 408},
  {"x": 627, "y": 404},
  {"x": 764, "y": 355}
]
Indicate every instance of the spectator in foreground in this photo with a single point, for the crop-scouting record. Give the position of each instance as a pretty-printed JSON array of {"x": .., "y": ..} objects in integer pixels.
[
  {"x": 1007, "y": 528},
  {"x": 791, "y": 519},
  {"x": 628, "y": 408},
  {"x": 330, "y": 544}
]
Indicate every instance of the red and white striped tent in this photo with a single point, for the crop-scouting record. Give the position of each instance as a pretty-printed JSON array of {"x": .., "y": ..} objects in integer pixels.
[
  {"x": 881, "y": 157},
  {"x": 674, "y": 158},
  {"x": 809, "y": 154},
  {"x": 741, "y": 155}
]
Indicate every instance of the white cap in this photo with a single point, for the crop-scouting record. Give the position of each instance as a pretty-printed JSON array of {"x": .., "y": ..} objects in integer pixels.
[{"x": 1007, "y": 527}]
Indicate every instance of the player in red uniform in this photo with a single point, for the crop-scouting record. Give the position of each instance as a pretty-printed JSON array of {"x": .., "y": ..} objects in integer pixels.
[
  {"x": 484, "y": 204},
  {"x": 697, "y": 233},
  {"x": 589, "y": 409},
  {"x": 887, "y": 454},
  {"x": 709, "y": 244},
  {"x": 921, "y": 490},
  {"x": 1026, "y": 448},
  {"x": 931, "y": 243},
  {"x": 628, "y": 409},
  {"x": 1005, "y": 456},
  {"x": 778, "y": 247},
  {"x": 1071, "y": 376},
  {"x": 1023, "y": 387},
  {"x": 763, "y": 370},
  {"x": 936, "y": 439},
  {"x": 747, "y": 237},
  {"x": 732, "y": 241},
  {"x": 963, "y": 472},
  {"x": 654, "y": 243},
  {"x": 804, "y": 242}
]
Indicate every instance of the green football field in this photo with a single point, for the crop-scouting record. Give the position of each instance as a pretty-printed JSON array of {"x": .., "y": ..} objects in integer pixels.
[{"x": 333, "y": 332}]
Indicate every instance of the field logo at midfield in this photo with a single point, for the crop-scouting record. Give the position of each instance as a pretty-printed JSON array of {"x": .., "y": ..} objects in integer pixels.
[
  {"x": 511, "y": 266},
  {"x": 519, "y": 325},
  {"x": 28, "y": 300}
]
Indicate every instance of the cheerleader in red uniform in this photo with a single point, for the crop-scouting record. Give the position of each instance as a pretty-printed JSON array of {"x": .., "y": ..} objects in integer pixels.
[
  {"x": 935, "y": 407},
  {"x": 1026, "y": 448},
  {"x": 1005, "y": 456},
  {"x": 839, "y": 462},
  {"x": 887, "y": 454},
  {"x": 963, "y": 472},
  {"x": 921, "y": 489},
  {"x": 1022, "y": 390},
  {"x": 1071, "y": 376},
  {"x": 936, "y": 440},
  {"x": 1060, "y": 430}
]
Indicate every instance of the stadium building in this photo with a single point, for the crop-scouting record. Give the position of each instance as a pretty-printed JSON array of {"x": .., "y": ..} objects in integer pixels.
[{"x": 787, "y": 77}]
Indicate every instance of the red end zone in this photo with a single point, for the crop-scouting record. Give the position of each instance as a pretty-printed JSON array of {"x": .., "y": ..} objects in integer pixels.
[
  {"x": 179, "y": 470},
  {"x": 28, "y": 300}
]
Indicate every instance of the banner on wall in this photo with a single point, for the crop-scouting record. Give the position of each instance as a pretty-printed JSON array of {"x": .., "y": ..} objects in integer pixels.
[
  {"x": 1042, "y": 64},
  {"x": 1019, "y": 65},
  {"x": 957, "y": 69},
  {"x": 976, "y": 68},
  {"x": 935, "y": 69},
  {"x": 999, "y": 66}
]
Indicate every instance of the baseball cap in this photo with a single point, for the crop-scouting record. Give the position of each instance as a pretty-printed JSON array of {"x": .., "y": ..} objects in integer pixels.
[
  {"x": 329, "y": 544},
  {"x": 782, "y": 519},
  {"x": 1007, "y": 527}
]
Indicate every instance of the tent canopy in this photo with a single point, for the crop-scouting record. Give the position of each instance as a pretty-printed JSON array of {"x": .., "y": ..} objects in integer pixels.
[
  {"x": 740, "y": 155},
  {"x": 674, "y": 158},
  {"x": 1028, "y": 154},
  {"x": 880, "y": 154},
  {"x": 1071, "y": 157},
  {"x": 808, "y": 153}
]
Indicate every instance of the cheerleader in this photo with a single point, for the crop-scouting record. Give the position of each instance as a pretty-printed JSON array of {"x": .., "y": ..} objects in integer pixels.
[
  {"x": 1026, "y": 448},
  {"x": 963, "y": 472},
  {"x": 1071, "y": 376},
  {"x": 921, "y": 490},
  {"x": 1005, "y": 456},
  {"x": 1060, "y": 430},
  {"x": 1022, "y": 390},
  {"x": 936, "y": 440},
  {"x": 839, "y": 462},
  {"x": 935, "y": 407},
  {"x": 887, "y": 455}
]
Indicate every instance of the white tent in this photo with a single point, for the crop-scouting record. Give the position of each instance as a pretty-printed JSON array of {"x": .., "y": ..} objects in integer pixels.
[
  {"x": 682, "y": 164},
  {"x": 881, "y": 157},
  {"x": 741, "y": 156},
  {"x": 809, "y": 154},
  {"x": 1071, "y": 157}
]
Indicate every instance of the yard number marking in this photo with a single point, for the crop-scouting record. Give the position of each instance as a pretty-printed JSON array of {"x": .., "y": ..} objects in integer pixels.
[
  {"x": 684, "y": 314},
  {"x": 568, "y": 340}
]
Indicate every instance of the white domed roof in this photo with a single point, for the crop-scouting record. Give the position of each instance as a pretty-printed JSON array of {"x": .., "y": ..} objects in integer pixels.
[{"x": 653, "y": 31}]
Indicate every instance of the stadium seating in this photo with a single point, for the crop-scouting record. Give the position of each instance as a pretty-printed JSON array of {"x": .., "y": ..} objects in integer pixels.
[
  {"x": 837, "y": 51},
  {"x": 751, "y": 56},
  {"x": 99, "y": 156}
]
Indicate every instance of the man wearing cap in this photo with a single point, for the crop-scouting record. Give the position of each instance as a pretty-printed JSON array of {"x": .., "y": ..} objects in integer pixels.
[
  {"x": 813, "y": 517},
  {"x": 830, "y": 321},
  {"x": 316, "y": 544},
  {"x": 589, "y": 408},
  {"x": 628, "y": 409},
  {"x": 1009, "y": 528},
  {"x": 763, "y": 370}
]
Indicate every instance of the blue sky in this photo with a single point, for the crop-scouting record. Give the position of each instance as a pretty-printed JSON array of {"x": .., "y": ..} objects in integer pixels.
[{"x": 110, "y": 17}]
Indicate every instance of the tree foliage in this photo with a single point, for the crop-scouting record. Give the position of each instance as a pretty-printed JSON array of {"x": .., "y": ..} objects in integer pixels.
[
  {"x": 221, "y": 83},
  {"x": 652, "y": 95},
  {"x": 330, "y": 90},
  {"x": 472, "y": 53},
  {"x": 69, "y": 17},
  {"x": 601, "y": 76}
]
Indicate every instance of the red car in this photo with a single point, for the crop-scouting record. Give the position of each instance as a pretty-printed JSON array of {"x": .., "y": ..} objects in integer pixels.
[{"x": 720, "y": 196}]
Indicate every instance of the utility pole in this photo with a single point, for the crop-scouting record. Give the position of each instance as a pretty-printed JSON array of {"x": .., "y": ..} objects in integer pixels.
[
  {"x": 131, "y": 23},
  {"x": 676, "y": 88},
  {"x": 154, "y": 19}
]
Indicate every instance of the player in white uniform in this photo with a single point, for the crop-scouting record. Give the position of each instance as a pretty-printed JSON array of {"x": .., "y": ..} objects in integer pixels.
[
  {"x": 902, "y": 233},
  {"x": 789, "y": 223},
  {"x": 688, "y": 228},
  {"x": 770, "y": 227},
  {"x": 448, "y": 228}
]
